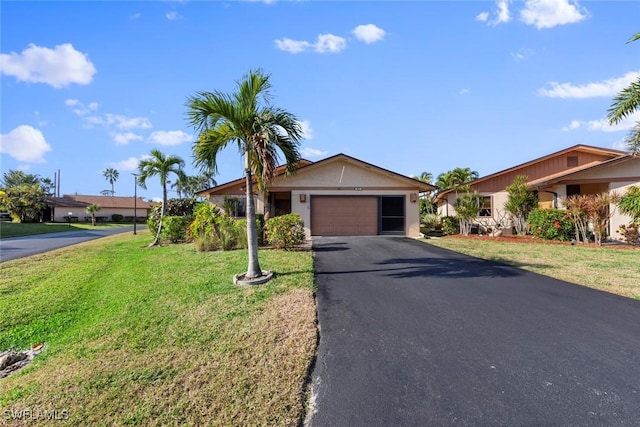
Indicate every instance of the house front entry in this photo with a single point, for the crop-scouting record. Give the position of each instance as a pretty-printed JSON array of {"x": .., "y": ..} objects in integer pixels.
[{"x": 279, "y": 203}]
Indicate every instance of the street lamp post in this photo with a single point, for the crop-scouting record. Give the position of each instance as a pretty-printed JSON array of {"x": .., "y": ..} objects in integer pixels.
[
  {"x": 70, "y": 213},
  {"x": 135, "y": 201}
]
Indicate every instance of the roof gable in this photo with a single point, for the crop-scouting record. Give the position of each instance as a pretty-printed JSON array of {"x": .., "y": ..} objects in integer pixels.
[
  {"x": 335, "y": 171},
  {"x": 547, "y": 167}
]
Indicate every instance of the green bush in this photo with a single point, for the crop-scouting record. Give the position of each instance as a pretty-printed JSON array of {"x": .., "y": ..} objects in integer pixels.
[
  {"x": 174, "y": 228},
  {"x": 285, "y": 231},
  {"x": 450, "y": 225},
  {"x": 204, "y": 219},
  {"x": 260, "y": 228},
  {"x": 551, "y": 224},
  {"x": 116, "y": 218},
  {"x": 429, "y": 221}
]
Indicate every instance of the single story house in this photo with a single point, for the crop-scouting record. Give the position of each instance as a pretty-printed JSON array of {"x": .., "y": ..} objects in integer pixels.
[
  {"x": 580, "y": 169},
  {"x": 59, "y": 208},
  {"x": 337, "y": 196}
]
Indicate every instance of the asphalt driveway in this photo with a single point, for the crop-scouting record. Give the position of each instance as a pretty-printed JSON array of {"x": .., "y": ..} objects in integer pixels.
[{"x": 416, "y": 335}]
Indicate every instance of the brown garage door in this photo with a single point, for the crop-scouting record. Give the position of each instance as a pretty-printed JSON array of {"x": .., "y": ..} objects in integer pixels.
[{"x": 344, "y": 216}]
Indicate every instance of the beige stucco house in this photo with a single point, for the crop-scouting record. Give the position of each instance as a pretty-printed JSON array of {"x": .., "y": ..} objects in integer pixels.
[
  {"x": 337, "y": 196},
  {"x": 109, "y": 205},
  {"x": 580, "y": 169}
]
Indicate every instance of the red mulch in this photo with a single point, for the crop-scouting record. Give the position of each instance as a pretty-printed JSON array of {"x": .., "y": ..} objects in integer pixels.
[{"x": 537, "y": 240}]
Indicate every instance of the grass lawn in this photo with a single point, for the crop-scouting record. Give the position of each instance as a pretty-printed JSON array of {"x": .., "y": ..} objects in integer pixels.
[
  {"x": 158, "y": 336},
  {"x": 11, "y": 229},
  {"x": 608, "y": 269}
]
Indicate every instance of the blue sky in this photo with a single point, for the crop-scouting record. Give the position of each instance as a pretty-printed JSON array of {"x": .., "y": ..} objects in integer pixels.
[{"x": 408, "y": 86}]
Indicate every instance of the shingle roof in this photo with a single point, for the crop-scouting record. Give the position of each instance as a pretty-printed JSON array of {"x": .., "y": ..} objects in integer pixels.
[{"x": 114, "y": 202}]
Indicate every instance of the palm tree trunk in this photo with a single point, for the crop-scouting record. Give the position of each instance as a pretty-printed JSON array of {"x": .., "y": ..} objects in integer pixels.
[
  {"x": 156, "y": 241},
  {"x": 253, "y": 268}
]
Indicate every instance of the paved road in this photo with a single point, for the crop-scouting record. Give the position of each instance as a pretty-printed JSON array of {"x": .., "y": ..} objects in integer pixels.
[
  {"x": 20, "y": 247},
  {"x": 412, "y": 335}
]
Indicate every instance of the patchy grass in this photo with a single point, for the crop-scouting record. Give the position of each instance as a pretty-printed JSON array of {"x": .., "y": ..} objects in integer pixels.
[
  {"x": 159, "y": 336},
  {"x": 12, "y": 229},
  {"x": 608, "y": 269}
]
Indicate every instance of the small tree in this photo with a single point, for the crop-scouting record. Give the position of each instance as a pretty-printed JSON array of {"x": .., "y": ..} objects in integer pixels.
[
  {"x": 577, "y": 207},
  {"x": 520, "y": 202},
  {"x": 629, "y": 204},
  {"x": 467, "y": 207},
  {"x": 594, "y": 210},
  {"x": 92, "y": 209}
]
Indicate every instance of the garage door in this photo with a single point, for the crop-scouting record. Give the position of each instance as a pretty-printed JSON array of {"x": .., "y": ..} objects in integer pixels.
[{"x": 344, "y": 216}]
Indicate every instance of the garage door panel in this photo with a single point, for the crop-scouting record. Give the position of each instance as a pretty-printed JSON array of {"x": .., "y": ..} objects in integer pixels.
[{"x": 344, "y": 216}]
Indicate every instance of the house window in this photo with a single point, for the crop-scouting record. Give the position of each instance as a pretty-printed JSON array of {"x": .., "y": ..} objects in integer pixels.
[
  {"x": 573, "y": 190},
  {"x": 485, "y": 206},
  {"x": 236, "y": 206},
  {"x": 572, "y": 161}
]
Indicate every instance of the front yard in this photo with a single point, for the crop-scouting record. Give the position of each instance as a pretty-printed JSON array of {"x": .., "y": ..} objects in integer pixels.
[
  {"x": 159, "y": 336},
  {"x": 615, "y": 270},
  {"x": 12, "y": 229}
]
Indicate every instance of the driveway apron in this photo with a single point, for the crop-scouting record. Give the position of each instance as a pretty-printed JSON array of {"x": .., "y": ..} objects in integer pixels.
[{"x": 411, "y": 334}]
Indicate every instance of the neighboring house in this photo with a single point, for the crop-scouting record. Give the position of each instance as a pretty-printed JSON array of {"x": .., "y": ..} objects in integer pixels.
[
  {"x": 580, "y": 169},
  {"x": 59, "y": 207},
  {"x": 337, "y": 196}
]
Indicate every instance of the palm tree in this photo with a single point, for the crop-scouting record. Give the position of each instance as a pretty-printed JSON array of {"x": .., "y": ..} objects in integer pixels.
[
  {"x": 246, "y": 118},
  {"x": 159, "y": 165},
  {"x": 625, "y": 104},
  {"x": 112, "y": 176},
  {"x": 426, "y": 177},
  {"x": 462, "y": 176},
  {"x": 92, "y": 209}
]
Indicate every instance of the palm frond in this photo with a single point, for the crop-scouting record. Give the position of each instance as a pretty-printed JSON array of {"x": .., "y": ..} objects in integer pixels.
[
  {"x": 634, "y": 38},
  {"x": 625, "y": 103}
]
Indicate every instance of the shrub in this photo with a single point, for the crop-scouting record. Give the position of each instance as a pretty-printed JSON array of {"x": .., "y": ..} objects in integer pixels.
[
  {"x": 630, "y": 204},
  {"x": 550, "y": 224},
  {"x": 520, "y": 203},
  {"x": 180, "y": 207},
  {"x": 259, "y": 228},
  {"x": 174, "y": 228},
  {"x": 117, "y": 218},
  {"x": 204, "y": 219},
  {"x": 450, "y": 225},
  {"x": 467, "y": 206},
  {"x": 631, "y": 233},
  {"x": 240, "y": 231},
  {"x": 206, "y": 242},
  {"x": 285, "y": 231},
  {"x": 429, "y": 221}
]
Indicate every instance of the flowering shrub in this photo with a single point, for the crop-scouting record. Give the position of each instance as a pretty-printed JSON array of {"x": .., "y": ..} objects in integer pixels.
[
  {"x": 285, "y": 231},
  {"x": 631, "y": 234},
  {"x": 551, "y": 224},
  {"x": 450, "y": 225}
]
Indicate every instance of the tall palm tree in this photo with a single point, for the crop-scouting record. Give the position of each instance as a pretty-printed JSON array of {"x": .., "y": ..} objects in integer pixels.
[
  {"x": 160, "y": 165},
  {"x": 247, "y": 118},
  {"x": 462, "y": 176},
  {"x": 625, "y": 104},
  {"x": 111, "y": 175},
  {"x": 426, "y": 177}
]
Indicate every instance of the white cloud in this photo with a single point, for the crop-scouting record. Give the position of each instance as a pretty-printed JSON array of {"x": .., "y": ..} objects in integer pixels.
[
  {"x": 23, "y": 168},
  {"x": 521, "y": 53},
  {"x": 330, "y": 43},
  {"x": 125, "y": 138},
  {"x": 463, "y": 91},
  {"x": 502, "y": 14},
  {"x": 603, "y": 125},
  {"x": 307, "y": 130},
  {"x": 119, "y": 121},
  {"x": 171, "y": 137},
  {"x": 482, "y": 16},
  {"x": 135, "y": 16},
  {"x": 550, "y": 13},
  {"x": 324, "y": 43},
  {"x": 25, "y": 144},
  {"x": 173, "y": 15},
  {"x": 292, "y": 46},
  {"x": 607, "y": 88},
  {"x": 369, "y": 33},
  {"x": 129, "y": 164},
  {"x": 81, "y": 109},
  {"x": 57, "y": 67},
  {"x": 308, "y": 152}
]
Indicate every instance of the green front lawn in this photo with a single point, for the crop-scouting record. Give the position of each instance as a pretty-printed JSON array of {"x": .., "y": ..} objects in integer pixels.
[
  {"x": 12, "y": 229},
  {"x": 158, "y": 336},
  {"x": 609, "y": 269}
]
